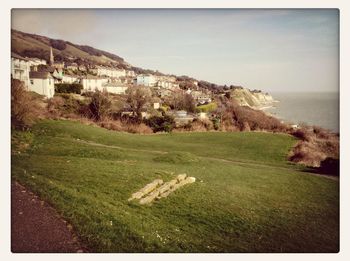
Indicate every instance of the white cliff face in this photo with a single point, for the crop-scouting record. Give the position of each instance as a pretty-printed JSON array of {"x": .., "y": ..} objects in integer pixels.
[{"x": 256, "y": 100}]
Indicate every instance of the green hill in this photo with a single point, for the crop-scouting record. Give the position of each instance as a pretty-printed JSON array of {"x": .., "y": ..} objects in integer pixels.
[
  {"x": 31, "y": 45},
  {"x": 246, "y": 198}
]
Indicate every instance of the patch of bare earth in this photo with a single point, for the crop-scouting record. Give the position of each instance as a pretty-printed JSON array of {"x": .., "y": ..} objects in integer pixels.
[{"x": 37, "y": 228}]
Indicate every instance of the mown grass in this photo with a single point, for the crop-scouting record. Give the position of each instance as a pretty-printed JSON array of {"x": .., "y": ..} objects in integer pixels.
[{"x": 252, "y": 201}]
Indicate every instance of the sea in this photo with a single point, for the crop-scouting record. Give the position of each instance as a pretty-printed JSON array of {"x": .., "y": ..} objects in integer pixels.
[{"x": 317, "y": 108}]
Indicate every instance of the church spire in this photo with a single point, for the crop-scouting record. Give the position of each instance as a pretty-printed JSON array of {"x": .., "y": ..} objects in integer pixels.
[{"x": 51, "y": 57}]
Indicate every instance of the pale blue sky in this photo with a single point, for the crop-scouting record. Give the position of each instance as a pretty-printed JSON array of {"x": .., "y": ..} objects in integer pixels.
[{"x": 272, "y": 50}]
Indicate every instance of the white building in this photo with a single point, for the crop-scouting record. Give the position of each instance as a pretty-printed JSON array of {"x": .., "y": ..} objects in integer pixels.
[
  {"x": 107, "y": 71},
  {"x": 146, "y": 80},
  {"x": 130, "y": 73},
  {"x": 116, "y": 88},
  {"x": 72, "y": 66},
  {"x": 42, "y": 83},
  {"x": 66, "y": 78},
  {"x": 20, "y": 68},
  {"x": 92, "y": 83},
  {"x": 36, "y": 61}
]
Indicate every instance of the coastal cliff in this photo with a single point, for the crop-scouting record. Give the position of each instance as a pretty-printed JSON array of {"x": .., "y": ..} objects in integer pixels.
[{"x": 254, "y": 99}]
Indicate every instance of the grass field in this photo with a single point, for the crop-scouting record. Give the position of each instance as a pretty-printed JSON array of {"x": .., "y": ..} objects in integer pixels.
[{"x": 247, "y": 196}]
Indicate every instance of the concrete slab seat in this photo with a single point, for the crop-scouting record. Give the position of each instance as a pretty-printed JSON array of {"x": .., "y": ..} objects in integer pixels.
[{"x": 157, "y": 189}]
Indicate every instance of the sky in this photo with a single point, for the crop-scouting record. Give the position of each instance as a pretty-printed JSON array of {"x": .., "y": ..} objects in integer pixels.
[{"x": 275, "y": 50}]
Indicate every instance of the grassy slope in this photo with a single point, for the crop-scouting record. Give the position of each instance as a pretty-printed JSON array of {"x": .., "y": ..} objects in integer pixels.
[{"x": 265, "y": 207}]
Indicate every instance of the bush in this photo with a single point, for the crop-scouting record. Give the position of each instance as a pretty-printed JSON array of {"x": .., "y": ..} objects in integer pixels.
[
  {"x": 100, "y": 105},
  {"x": 200, "y": 125},
  {"x": 161, "y": 123},
  {"x": 302, "y": 134},
  {"x": 118, "y": 125},
  {"x": 235, "y": 117},
  {"x": 207, "y": 107},
  {"x": 329, "y": 166},
  {"x": 23, "y": 106},
  {"x": 307, "y": 154},
  {"x": 68, "y": 88},
  {"x": 138, "y": 128}
]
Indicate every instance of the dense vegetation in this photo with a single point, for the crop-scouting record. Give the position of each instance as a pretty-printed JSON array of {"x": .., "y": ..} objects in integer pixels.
[{"x": 68, "y": 88}]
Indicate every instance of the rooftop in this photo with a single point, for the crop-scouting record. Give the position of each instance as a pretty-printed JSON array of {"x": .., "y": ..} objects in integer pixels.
[{"x": 39, "y": 75}]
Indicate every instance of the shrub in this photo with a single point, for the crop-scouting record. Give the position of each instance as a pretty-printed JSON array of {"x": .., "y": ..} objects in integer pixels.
[
  {"x": 115, "y": 125},
  {"x": 100, "y": 105},
  {"x": 302, "y": 134},
  {"x": 200, "y": 125},
  {"x": 161, "y": 123},
  {"x": 118, "y": 125},
  {"x": 55, "y": 105},
  {"x": 207, "y": 107},
  {"x": 234, "y": 117},
  {"x": 307, "y": 154},
  {"x": 23, "y": 106},
  {"x": 139, "y": 128},
  {"x": 329, "y": 166},
  {"x": 68, "y": 88}
]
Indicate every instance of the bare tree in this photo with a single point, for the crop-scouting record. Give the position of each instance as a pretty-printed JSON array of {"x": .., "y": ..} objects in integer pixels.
[{"x": 137, "y": 98}]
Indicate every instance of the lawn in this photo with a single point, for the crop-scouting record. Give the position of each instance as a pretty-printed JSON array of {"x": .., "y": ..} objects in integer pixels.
[{"x": 247, "y": 197}]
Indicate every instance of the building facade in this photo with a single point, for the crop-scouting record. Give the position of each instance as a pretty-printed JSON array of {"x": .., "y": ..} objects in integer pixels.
[
  {"x": 92, "y": 83},
  {"x": 42, "y": 83},
  {"x": 146, "y": 80},
  {"x": 20, "y": 68}
]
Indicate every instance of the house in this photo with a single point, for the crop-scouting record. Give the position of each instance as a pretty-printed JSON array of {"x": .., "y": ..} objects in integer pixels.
[
  {"x": 82, "y": 68},
  {"x": 156, "y": 105},
  {"x": 67, "y": 78},
  {"x": 146, "y": 80},
  {"x": 181, "y": 118},
  {"x": 130, "y": 73},
  {"x": 20, "y": 68},
  {"x": 36, "y": 61},
  {"x": 42, "y": 83},
  {"x": 201, "y": 97},
  {"x": 72, "y": 66},
  {"x": 92, "y": 83},
  {"x": 114, "y": 87},
  {"x": 107, "y": 71},
  {"x": 167, "y": 84}
]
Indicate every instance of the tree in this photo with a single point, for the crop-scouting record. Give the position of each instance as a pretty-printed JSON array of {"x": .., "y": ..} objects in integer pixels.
[
  {"x": 23, "y": 106},
  {"x": 182, "y": 101},
  {"x": 161, "y": 123},
  {"x": 100, "y": 105},
  {"x": 137, "y": 98}
]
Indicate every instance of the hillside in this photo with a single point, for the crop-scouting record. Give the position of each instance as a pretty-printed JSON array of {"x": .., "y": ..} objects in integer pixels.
[
  {"x": 246, "y": 198},
  {"x": 32, "y": 45}
]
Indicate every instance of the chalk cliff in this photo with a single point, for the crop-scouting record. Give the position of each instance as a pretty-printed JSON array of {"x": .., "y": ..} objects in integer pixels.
[{"x": 253, "y": 99}]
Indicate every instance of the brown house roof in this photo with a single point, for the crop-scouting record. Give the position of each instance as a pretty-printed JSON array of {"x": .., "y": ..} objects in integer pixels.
[
  {"x": 40, "y": 75},
  {"x": 14, "y": 55}
]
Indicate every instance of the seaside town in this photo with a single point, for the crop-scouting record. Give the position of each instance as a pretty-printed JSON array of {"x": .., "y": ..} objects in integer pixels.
[
  {"x": 41, "y": 76},
  {"x": 172, "y": 157}
]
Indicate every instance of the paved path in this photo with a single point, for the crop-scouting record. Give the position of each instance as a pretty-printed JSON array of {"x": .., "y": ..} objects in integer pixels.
[{"x": 36, "y": 227}]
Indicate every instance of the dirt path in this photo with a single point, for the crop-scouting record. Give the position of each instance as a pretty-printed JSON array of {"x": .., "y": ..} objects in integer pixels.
[{"x": 37, "y": 228}]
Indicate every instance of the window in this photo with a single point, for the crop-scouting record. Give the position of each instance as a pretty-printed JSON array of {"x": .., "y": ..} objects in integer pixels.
[
  {"x": 49, "y": 81},
  {"x": 31, "y": 81}
]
